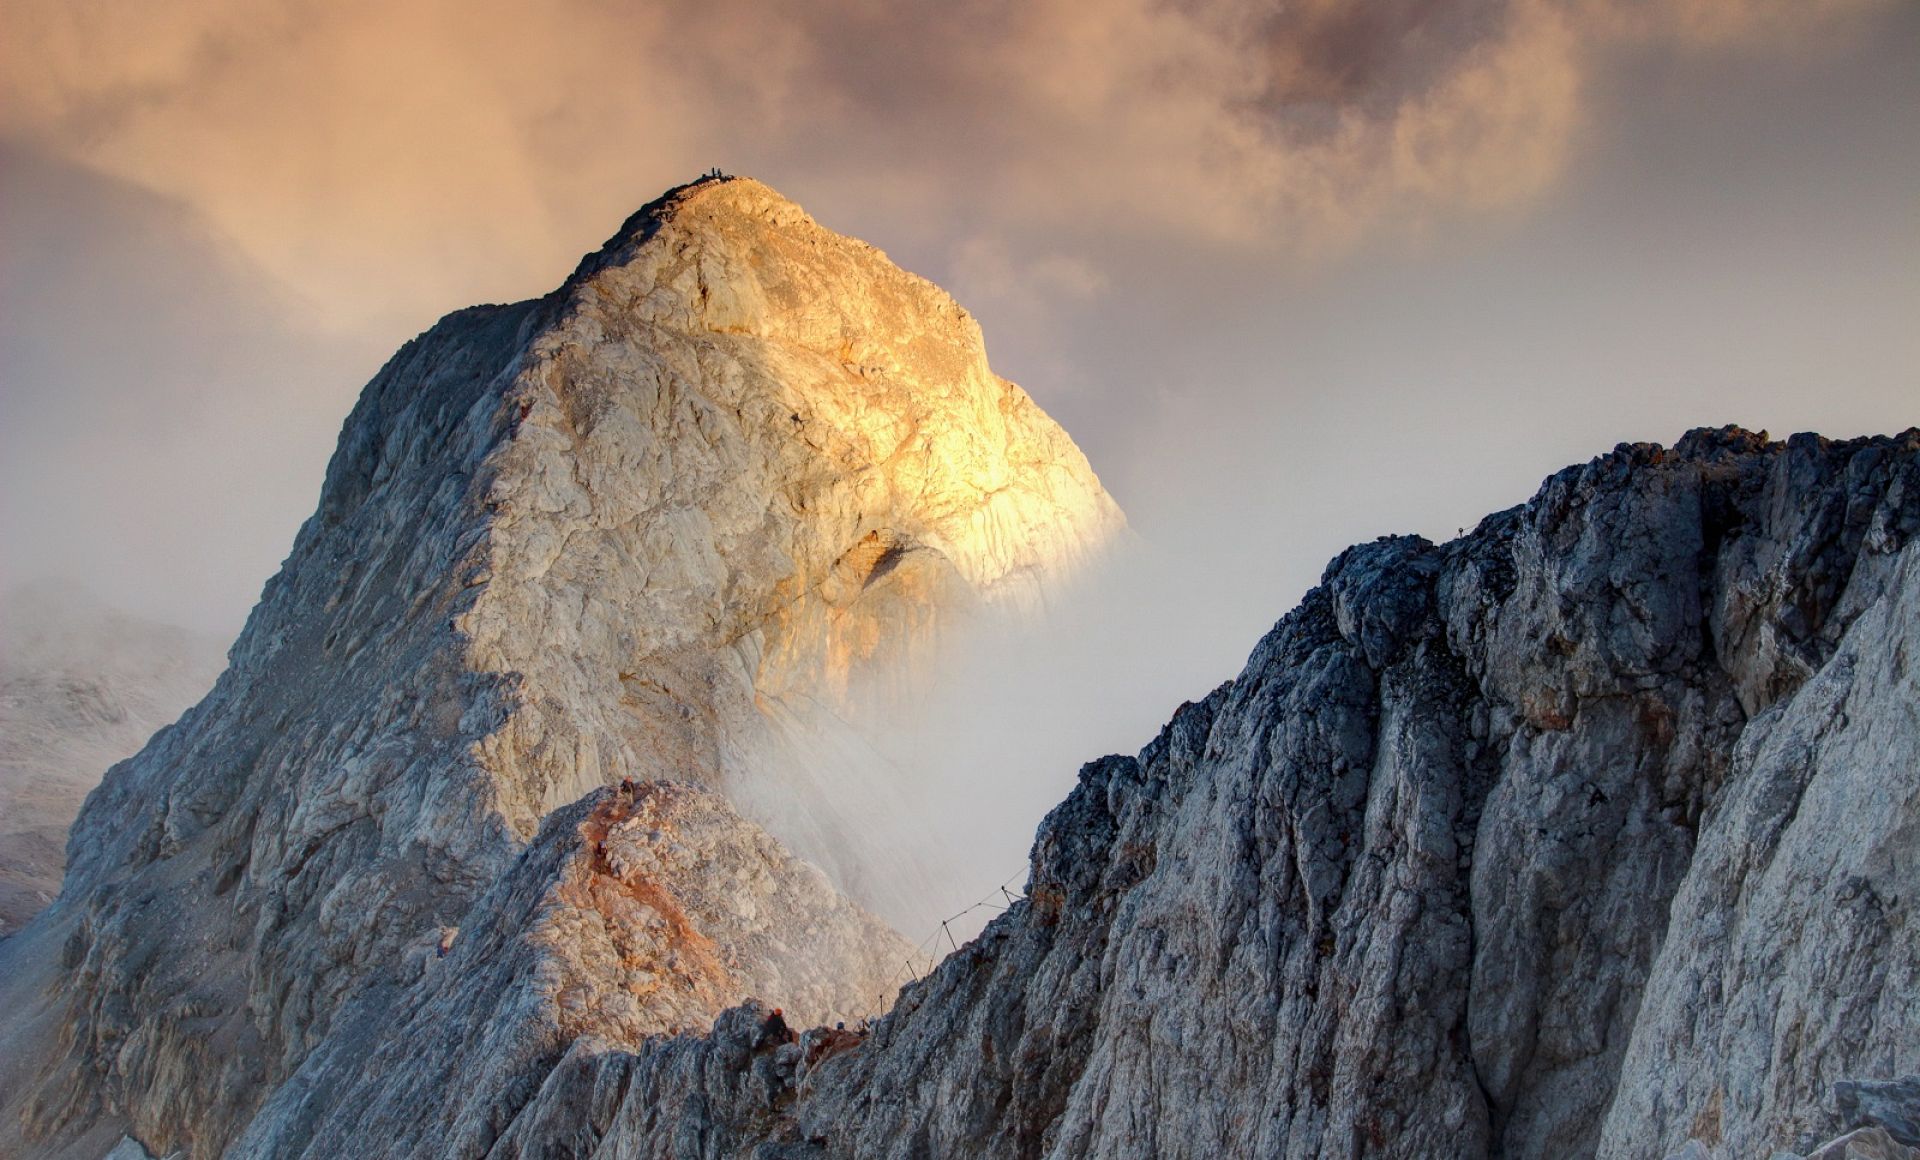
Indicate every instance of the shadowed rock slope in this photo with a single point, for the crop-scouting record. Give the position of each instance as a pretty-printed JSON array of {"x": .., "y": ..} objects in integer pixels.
[
  {"x": 674, "y": 522},
  {"x": 1590, "y": 833}
]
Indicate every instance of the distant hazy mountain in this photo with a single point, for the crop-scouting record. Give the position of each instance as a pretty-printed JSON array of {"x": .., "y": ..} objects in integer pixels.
[{"x": 82, "y": 686}]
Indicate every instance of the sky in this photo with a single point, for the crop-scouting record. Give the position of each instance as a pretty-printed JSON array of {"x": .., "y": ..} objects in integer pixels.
[{"x": 1293, "y": 275}]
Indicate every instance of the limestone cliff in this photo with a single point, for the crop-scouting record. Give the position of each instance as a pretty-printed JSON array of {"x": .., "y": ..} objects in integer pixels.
[
  {"x": 677, "y": 522},
  {"x": 1589, "y": 833}
]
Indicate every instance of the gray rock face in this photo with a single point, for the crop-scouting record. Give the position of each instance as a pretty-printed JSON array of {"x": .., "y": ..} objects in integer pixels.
[
  {"x": 1883, "y": 1115},
  {"x": 1863, "y": 1144},
  {"x": 1588, "y": 833},
  {"x": 1891, "y": 1104}
]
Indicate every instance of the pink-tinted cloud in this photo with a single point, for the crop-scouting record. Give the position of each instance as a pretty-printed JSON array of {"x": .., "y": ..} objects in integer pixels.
[{"x": 392, "y": 158}]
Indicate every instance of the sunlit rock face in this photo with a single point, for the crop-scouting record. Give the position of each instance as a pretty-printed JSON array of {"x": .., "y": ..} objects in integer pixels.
[
  {"x": 680, "y": 520},
  {"x": 1591, "y": 832},
  {"x": 756, "y": 473},
  {"x": 82, "y": 686}
]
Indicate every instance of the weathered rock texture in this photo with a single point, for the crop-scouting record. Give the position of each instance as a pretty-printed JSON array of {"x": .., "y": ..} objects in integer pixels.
[
  {"x": 81, "y": 687},
  {"x": 1589, "y": 833},
  {"x": 674, "y": 521},
  {"x": 625, "y": 919}
]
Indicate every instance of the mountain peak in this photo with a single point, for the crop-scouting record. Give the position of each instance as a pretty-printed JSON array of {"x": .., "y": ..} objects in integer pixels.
[
  {"x": 689, "y": 519},
  {"x": 739, "y": 202}
]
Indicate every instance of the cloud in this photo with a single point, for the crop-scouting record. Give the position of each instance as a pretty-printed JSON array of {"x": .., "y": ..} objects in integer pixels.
[
  {"x": 165, "y": 414},
  {"x": 392, "y": 160},
  {"x": 1032, "y": 283},
  {"x": 224, "y": 214}
]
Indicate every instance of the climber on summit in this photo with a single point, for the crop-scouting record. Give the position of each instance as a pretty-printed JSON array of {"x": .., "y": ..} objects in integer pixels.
[{"x": 774, "y": 1031}]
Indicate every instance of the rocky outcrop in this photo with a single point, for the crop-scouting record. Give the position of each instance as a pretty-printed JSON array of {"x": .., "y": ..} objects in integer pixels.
[
  {"x": 1892, "y": 1105},
  {"x": 629, "y": 917},
  {"x": 678, "y": 521},
  {"x": 81, "y": 687},
  {"x": 1589, "y": 833}
]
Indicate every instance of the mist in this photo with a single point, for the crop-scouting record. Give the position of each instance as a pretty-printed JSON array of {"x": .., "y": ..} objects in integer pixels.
[
  {"x": 1417, "y": 390},
  {"x": 166, "y": 415}
]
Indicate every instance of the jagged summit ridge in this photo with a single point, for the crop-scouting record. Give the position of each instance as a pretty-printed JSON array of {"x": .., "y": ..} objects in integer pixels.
[
  {"x": 1588, "y": 833},
  {"x": 676, "y": 521}
]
